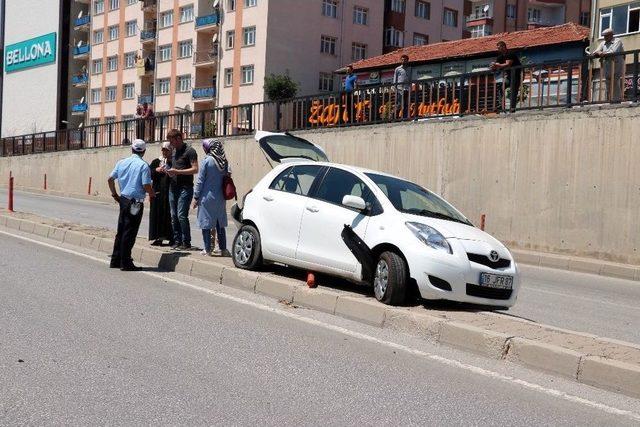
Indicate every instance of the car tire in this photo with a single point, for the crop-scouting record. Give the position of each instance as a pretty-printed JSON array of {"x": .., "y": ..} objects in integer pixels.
[
  {"x": 390, "y": 279},
  {"x": 247, "y": 249}
]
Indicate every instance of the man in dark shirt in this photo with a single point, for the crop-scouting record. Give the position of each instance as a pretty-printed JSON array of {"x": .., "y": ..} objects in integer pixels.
[
  {"x": 505, "y": 61},
  {"x": 184, "y": 167}
]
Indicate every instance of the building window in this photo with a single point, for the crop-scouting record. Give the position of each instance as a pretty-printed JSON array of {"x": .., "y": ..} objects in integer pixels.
[
  {"x": 231, "y": 38},
  {"x": 113, "y": 32},
  {"x": 358, "y": 51},
  {"x": 420, "y": 39},
  {"x": 247, "y": 74},
  {"x": 228, "y": 76},
  {"x": 130, "y": 2},
  {"x": 114, "y": 4},
  {"x": 634, "y": 19},
  {"x": 585, "y": 19},
  {"x": 250, "y": 3},
  {"x": 398, "y": 6},
  {"x": 512, "y": 11},
  {"x": 249, "y": 36},
  {"x": 166, "y": 19},
  {"x": 326, "y": 82},
  {"x": 96, "y": 66},
  {"x": 96, "y": 95},
  {"x": 164, "y": 86},
  {"x": 330, "y": 8},
  {"x": 186, "y": 13},
  {"x": 450, "y": 17},
  {"x": 112, "y": 63},
  {"x": 129, "y": 91},
  {"x": 423, "y": 9},
  {"x": 184, "y": 83},
  {"x": 533, "y": 15},
  {"x": 98, "y": 36},
  {"x": 480, "y": 31},
  {"x": 328, "y": 45},
  {"x": 360, "y": 15},
  {"x": 110, "y": 94},
  {"x": 231, "y": 5},
  {"x": 165, "y": 52},
  {"x": 98, "y": 7},
  {"x": 393, "y": 37},
  {"x": 129, "y": 60},
  {"x": 132, "y": 28},
  {"x": 185, "y": 49}
]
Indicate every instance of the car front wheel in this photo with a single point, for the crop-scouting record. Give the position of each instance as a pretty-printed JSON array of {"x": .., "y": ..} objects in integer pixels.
[
  {"x": 247, "y": 252},
  {"x": 390, "y": 280}
]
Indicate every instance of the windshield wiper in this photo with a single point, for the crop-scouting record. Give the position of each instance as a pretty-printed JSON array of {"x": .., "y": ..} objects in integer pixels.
[{"x": 439, "y": 215}]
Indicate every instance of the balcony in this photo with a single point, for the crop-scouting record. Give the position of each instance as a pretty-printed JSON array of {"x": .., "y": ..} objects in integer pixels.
[
  {"x": 205, "y": 58},
  {"x": 80, "y": 80},
  {"x": 145, "y": 98},
  {"x": 207, "y": 21},
  {"x": 82, "y": 51},
  {"x": 79, "y": 107},
  {"x": 482, "y": 18},
  {"x": 148, "y": 5},
  {"x": 149, "y": 34},
  {"x": 203, "y": 93},
  {"x": 82, "y": 23}
]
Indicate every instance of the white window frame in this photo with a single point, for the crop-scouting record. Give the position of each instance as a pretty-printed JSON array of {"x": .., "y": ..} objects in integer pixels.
[
  {"x": 249, "y": 36},
  {"x": 250, "y": 3},
  {"x": 247, "y": 74},
  {"x": 534, "y": 15},
  {"x": 114, "y": 32},
  {"x": 230, "y": 39},
  {"x": 231, "y": 5},
  {"x": 422, "y": 37},
  {"x": 228, "y": 77},
  {"x": 398, "y": 6},
  {"x": 183, "y": 83},
  {"x": 129, "y": 60},
  {"x": 98, "y": 7},
  {"x": 165, "y": 53},
  {"x": 129, "y": 91},
  {"x": 96, "y": 66},
  {"x": 96, "y": 96},
  {"x": 393, "y": 37},
  {"x": 513, "y": 8},
  {"x": 360, "y": 15},
  {"x": 325, "y": 82},
  {"x": 186, "y": 16},
  {"x": 358, "y": 51},
  {"x": 131, "y": 28},
  {"x": 163, "y": 87},
  {"x": 112, "y": 60},
  {"x": 185, "y": 49},
  {"x": 131, "y": 2},
  {"x": 423, "y": 9},
  {"x": 328, "y": 45},
  {"x": 114, "y": 4},
  {"x": 166, "y": 19},
  {"x": 98, "y": 36},
  {"x": 452, "y": 13},
  {"x": 330, "y": 8},
  {"x": 110, "y": 94}
]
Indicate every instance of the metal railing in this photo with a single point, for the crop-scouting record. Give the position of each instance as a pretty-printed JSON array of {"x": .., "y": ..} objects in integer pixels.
[
  {"x": 482, "y": 15},
  {"x": 204, "y": 57},
  {"x": 146, "y": 35},
  {"x": 145, "y": 98},
  {"x": 203, "y": 92},
  {"x": 564, "y": 84},
  {"x": 80, "y": 79},
  {"x": 206, "y": 20},
  {"x": 83, "y": 20},
  {"x": 81, "y": 50}
]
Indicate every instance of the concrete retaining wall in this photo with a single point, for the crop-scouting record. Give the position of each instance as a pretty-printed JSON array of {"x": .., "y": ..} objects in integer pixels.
[{"x": 566, "y": 182}]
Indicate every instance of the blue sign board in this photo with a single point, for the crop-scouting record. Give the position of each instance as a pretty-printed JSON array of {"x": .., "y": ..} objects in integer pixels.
[{"x": 30, "y": 53}]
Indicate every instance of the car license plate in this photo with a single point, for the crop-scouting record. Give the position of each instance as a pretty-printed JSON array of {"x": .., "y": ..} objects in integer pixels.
[{"x": 496, "y": 281}]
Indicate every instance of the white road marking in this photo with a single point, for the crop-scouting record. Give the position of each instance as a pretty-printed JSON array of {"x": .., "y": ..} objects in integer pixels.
[
  {"x": 573, "y": 296},
  {"x": 443, "y": 360}
]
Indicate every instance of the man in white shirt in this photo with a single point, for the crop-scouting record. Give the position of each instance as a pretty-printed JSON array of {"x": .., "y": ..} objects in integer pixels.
[
  {"x": 614, "y": 66},
  {"x": 400, "y": 79}
]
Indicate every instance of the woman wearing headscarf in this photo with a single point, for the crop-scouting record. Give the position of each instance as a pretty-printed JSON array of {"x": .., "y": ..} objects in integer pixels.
[
  {"x": 160, "y": 214},
  {"x": 209, "y": 198}
]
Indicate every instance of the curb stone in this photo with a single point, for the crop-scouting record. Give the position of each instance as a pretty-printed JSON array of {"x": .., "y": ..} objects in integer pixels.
[
  {"x": 27, "y": 226},
  {"x": 316, "y": 299},
  {"x": 611, "y": 374},
  {"x": 73, "y": 238},
  {"x": 42, "y": 230},
  {"x": 361, "y": 310},
  {"x": 13, "y": 223},
  {"x": 478, "y": 340},
  {"x": 274, "y": 286},
  {"x": 239, "y": 279},
  {"x": 425, "y": 325},
  {"x": 543, "y": 356},
  {"x": 57, "y": 234},
  {"x": 207, "y": 271}
]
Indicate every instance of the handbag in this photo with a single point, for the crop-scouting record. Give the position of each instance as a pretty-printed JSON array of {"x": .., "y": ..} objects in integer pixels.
[{"x": 229, "y": 188}]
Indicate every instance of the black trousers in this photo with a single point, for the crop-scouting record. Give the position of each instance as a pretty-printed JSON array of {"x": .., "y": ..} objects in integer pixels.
[{"x": 128, "y": 226}]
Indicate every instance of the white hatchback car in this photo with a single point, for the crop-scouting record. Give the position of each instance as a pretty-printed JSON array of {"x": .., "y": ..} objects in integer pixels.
[{"x": 367, "y": 226}]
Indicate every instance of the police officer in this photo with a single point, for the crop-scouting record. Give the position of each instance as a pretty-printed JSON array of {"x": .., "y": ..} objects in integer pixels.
[{"x": 134, "y": 179}]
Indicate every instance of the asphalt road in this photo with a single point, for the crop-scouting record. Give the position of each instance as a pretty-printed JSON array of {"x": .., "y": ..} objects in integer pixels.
[
  {"x": 581, "y": 302},
  {"x": 82, "y": 344}
]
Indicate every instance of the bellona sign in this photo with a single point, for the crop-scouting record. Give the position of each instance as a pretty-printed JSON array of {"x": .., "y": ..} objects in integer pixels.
[{"x": 30, "y": 53}]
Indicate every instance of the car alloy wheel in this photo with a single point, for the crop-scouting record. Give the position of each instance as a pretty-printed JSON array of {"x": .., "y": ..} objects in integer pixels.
[
  {"x": 381, "y": 279},
  {"x": 243, "y": 248}
]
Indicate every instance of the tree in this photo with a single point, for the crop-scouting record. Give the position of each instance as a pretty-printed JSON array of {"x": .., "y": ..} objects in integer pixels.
[{"x": 279, "y": 87}]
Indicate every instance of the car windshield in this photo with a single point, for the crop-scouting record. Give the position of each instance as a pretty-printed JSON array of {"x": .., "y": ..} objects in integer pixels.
[
  {"x": 280, "y": 147},
  {"x": 410, "y": 198}
]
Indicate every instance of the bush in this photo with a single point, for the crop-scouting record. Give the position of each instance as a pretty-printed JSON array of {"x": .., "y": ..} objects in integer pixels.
[{"x": 279, "y": 87}]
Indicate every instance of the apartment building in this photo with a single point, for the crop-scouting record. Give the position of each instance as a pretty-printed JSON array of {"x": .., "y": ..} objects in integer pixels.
[{"x": 486, "y": 17}]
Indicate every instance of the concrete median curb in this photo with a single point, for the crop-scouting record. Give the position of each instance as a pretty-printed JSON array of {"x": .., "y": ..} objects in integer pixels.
[{"x": 619, "y": 371}]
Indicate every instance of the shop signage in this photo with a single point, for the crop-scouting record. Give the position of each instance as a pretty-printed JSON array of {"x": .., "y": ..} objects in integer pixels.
[{"x": 30, "y": 53}]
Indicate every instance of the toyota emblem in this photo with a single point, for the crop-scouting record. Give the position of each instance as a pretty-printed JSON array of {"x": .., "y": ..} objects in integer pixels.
[{"x": 493, "y": 256}]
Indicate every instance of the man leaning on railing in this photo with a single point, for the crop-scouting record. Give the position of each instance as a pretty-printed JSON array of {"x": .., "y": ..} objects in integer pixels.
[
  {"x": 401, "y": 77},
  {"x": 612, "y": 61}
]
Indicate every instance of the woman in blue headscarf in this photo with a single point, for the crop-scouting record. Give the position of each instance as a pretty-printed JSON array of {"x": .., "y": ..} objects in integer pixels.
[{"x": 208, "y": 196}]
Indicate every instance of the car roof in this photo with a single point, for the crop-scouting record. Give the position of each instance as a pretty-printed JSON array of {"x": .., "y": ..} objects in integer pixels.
[{"x": 342, "y": 166}]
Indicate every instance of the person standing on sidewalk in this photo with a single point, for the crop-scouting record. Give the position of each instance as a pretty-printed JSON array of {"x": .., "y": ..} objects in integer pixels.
[
  {"x": 209, "y": 198},
  {"x": 134, "y": 178},
  {"x": 184, "y": 165},
  {"x": 160, "y": 212}
]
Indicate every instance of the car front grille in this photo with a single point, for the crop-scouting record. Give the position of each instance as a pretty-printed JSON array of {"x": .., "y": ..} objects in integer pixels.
[
  {"x": 484, "y": 260},
  {"x": 485, "y": 292}
]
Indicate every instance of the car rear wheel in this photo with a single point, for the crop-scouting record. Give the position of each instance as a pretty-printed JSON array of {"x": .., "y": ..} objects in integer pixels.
[
  {"x": 247, "y": 252},
  {"x": 390, "y": 280}
]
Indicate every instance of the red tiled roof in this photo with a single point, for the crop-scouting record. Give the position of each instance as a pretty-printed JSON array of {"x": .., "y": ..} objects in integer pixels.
[{"x": 544, "y": 36}]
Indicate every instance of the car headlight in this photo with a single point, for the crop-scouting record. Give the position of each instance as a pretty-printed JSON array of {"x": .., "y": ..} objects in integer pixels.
[{"x": 429, "y": 236}]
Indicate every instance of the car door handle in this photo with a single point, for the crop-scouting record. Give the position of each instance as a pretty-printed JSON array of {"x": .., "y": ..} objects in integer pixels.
[
  {"x": 268, "y": 198},
  {"x": 312, "y": 209}
]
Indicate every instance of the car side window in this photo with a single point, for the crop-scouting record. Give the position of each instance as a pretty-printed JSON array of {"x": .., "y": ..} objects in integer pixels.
[
  {"x": 296, "y": 179},
  {"x": 338, "y": 183}
]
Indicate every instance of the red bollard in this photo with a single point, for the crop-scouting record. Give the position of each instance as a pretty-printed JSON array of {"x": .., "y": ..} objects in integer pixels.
[
  {"x": 311, "y": 280},
  {"x": 89, "y": 189},
  {"x": 482, "y": 221},
  {"x": 11, "y": 194},
  {"x": 45, "y": 181}
]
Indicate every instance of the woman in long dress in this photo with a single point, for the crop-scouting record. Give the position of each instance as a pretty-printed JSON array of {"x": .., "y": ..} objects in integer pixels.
[
  {"x": 160, "y": 214},
  {"x": 209, "y": 198}
]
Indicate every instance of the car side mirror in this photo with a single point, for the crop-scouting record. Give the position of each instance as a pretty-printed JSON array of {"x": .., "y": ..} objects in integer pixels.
[{"x": 354, "y": 202}]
